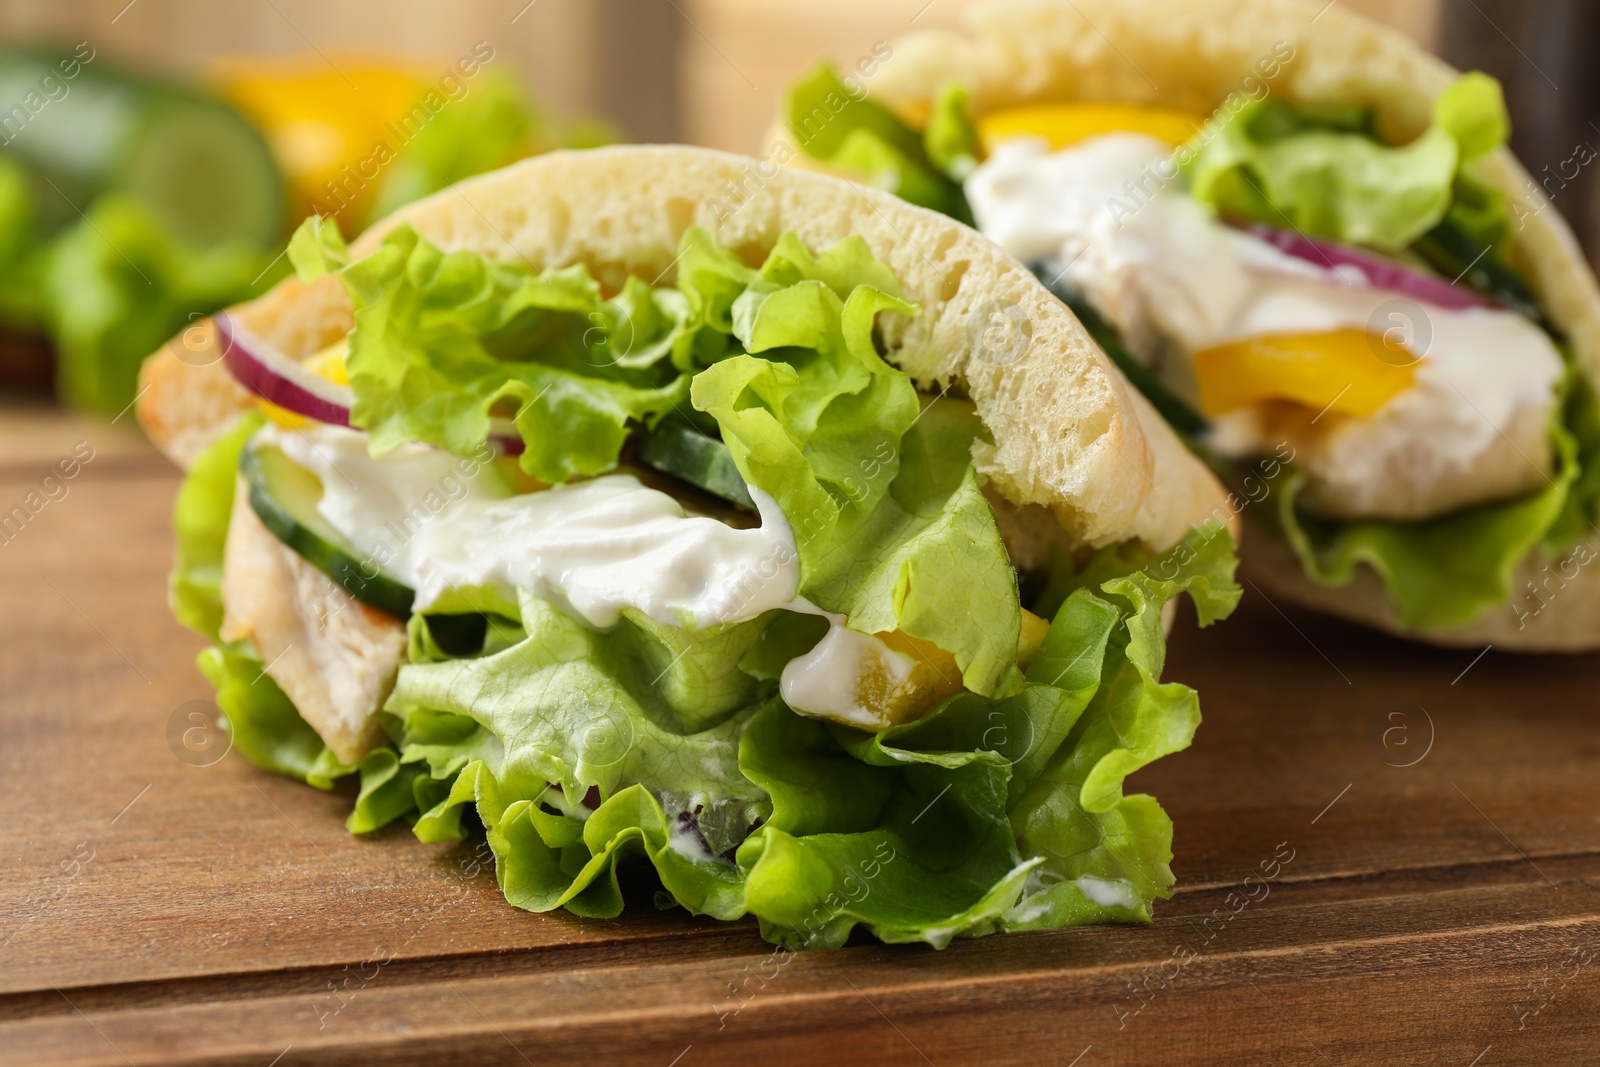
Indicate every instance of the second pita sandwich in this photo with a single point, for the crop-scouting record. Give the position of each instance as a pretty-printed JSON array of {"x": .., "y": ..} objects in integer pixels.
[{"x": 1303, "y": 238}]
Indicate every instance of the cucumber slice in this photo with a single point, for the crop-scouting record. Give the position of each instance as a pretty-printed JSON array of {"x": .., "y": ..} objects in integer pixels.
[
  {"x": 198, "y": 164},
  {"x": 1457, "y": 254},
  {"x": 195, "y": 162},
  {"x": 682, "y": 451},
  {"x": 284, "y": 496}
]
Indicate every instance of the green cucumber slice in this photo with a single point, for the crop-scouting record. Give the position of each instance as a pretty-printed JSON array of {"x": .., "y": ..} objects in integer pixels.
[
  {"x": 198, "y": 164},
  {"x": 678, "y": 449},
  {"x": 284, "y": 496},
  {"x": 195, "y": 162},
  {"x": 1457, "y": 254}
]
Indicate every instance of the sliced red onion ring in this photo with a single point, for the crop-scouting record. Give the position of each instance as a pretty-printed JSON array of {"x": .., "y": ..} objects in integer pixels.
[
  {"x": 279, "y": 380},
  {"x": 1380, "y": 273}
]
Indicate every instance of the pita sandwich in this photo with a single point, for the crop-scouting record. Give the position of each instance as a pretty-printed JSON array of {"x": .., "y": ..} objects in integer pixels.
[
  {"x": 595, "y": 501},
  {"x": 1302, "y": 236}
]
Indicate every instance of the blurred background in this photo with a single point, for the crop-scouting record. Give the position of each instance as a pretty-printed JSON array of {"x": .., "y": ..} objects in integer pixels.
[{"x": 111, "y": 112}]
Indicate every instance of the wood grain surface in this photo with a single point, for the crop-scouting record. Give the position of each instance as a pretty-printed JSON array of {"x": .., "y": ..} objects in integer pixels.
[{"x": 1423, "y": 828}]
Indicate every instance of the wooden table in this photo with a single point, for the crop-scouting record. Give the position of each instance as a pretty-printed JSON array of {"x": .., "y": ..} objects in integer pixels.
[{"x": 1441, "y": 906}]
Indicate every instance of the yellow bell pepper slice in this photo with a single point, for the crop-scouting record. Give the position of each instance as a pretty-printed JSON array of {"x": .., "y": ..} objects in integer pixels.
[
  {"x": 321, "y": 121},
  {"x": 936, "y": 675},
  {"x": 1345, "y": 372},
  {"x": 1064, "y": 125},
  {"x": 327, "y": 364}
]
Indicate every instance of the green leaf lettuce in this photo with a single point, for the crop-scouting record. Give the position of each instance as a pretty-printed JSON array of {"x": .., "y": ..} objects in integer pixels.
[
  {"x": 842, "y": 127},
  {"x": 1323, "y": 173}
]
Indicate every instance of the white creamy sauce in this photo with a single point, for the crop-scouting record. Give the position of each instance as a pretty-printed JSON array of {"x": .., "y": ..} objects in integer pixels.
[
  {"x": 1162, "y": 269},
  {"x": 593, "y": 547},
  {"x": 600, "y": 546},
  {"x": 1108, "y": 892},
  {"x": 826, "y": 681},
  {"x": 438, "y": 522},
  {"x": 1028, "y": 909},
  {"x": 686, "y": 842}
]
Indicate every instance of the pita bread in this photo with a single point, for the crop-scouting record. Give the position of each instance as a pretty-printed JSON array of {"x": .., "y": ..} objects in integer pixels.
[
  {"x": 1070, "y": 436},
  {"x": 1190, "y": 55}
]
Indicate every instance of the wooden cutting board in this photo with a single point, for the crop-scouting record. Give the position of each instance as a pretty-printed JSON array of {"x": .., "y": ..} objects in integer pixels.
[{"x": 1386, "y": 854}]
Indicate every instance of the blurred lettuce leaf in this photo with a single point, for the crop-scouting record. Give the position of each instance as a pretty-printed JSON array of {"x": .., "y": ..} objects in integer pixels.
[
  {"x": 494, "y": 124},
  {"x": 845, "y": 129},
  {"x": 1455, "y": 569},
  {"x": 21, "y": 303},
  {"x": 200, "y": 518},
  {"x": 110, "y": 267},
  {"x": 1325, "y": 173},
  {"x": 117, "y": 285}
]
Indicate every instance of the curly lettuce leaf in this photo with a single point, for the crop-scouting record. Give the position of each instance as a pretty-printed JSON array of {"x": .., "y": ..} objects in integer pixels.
[
  {"x": 928, "y": 559},
  {"x": 889, "y": 522},
  {"x": 316, "y": 248},
  {"x": 1326, "y": 176},
  {"x": 640, "y": 724},
  {"x": 548, "y": 858},
  {"x": 118, "y": 283},
  {"x": 443, "y": 339},
  {"x": 583, "y": 710},
  {"x": 1453, "y": 570},
  {"x": 493, "y": 125},
  {"x": 985, "y": 815},
  {"x": 989, "y": 815},
  {"x": 263, "y": 722}
]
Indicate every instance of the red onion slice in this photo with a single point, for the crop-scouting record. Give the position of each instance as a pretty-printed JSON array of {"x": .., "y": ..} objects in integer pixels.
[
  {"x": 279, "y": 380},
  {"x": 1380, "y": 273}
]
